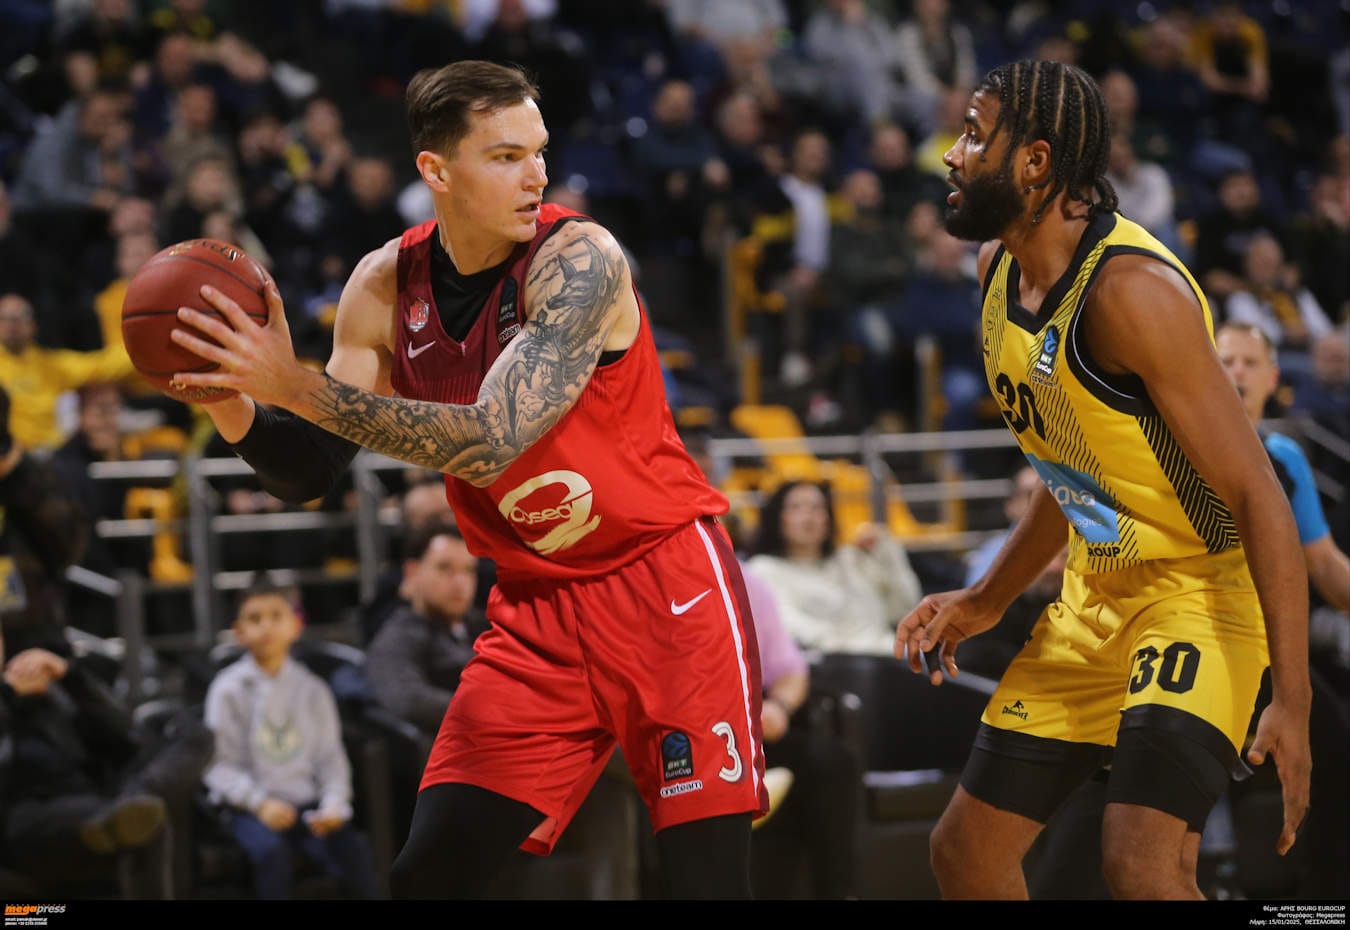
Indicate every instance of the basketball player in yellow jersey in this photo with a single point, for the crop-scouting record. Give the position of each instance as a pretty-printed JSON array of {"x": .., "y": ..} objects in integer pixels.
[{"x": 1185, "y": 578}]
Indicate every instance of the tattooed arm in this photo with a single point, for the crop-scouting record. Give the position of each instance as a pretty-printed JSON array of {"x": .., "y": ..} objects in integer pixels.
[{"x": 579, "y": 301}]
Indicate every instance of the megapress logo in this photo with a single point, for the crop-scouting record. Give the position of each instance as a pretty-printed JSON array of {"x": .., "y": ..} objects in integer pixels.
[{"x": 31, "y": 915}]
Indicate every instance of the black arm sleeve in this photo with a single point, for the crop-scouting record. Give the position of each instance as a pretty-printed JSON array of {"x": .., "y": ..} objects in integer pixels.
[{"x": 295, "y": 460}]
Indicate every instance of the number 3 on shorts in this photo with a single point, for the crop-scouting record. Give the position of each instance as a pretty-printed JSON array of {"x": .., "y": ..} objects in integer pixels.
[{"x": 732, "y": 772}]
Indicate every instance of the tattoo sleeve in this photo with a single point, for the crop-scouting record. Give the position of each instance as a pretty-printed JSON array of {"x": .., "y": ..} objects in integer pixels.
[{"x": 572, "y": 290}]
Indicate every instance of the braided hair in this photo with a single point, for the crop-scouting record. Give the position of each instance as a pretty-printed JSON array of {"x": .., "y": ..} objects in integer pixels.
[{"x": 1064, "y": 106}]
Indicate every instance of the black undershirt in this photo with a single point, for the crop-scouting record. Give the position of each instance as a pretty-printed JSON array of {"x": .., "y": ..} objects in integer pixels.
[{"x": 460, "y": 297}]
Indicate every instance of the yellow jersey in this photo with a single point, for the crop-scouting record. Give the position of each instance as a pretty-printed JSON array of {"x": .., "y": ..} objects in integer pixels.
[{"x": 1129, "y": 492}]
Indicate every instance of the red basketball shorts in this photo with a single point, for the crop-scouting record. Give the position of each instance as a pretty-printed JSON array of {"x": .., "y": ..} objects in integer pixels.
[{"x": 658, "y": 658}]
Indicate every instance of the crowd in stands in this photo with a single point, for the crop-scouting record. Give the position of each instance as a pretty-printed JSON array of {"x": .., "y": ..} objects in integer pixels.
[{"x": 814, "y": 128}]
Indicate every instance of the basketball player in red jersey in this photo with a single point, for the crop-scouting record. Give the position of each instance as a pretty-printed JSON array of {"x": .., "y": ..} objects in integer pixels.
[{"x": 503, "y": 343}]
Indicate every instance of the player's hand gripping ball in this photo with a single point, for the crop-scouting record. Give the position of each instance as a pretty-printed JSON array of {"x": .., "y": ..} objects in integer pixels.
[{"x": 171, "y": 279}]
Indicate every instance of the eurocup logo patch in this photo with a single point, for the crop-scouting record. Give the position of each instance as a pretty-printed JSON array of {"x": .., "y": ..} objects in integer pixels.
[
  {"x": 418, "y": 314},
  {"x": 1045, "y": 363},
  {"x": 677, "y": 755}
]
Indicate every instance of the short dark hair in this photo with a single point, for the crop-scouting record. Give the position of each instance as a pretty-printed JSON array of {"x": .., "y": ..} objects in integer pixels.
[
  {"x": 1063, "y": 105},
  {"x": 418, "y": 539},
  {"x": 440, "y": 100},
  {"x": 265, "y": 585}
]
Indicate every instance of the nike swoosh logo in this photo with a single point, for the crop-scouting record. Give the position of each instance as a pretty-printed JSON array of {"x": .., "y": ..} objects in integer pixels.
[
  {"x": 413, "y": 353},
  {"x": 678, "y": 609}
]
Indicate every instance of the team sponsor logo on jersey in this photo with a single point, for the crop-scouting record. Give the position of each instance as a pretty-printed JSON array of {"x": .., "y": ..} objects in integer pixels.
[
  {"x": 418, "y": 314},
  {"x": 507, "y": 334},
  {"x": 683, "y": 787},
  {"x": 1088, "y": 508},
  {"x": 1044, "y": 368},
  {"x": 677, "y": 756},
  {"x": 550, "y": 512}
]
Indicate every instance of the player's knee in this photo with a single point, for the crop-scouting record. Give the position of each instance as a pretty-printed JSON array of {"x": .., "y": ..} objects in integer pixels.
[
  {"x": 1137, "y": 872},
  {"x": 948, "y": 852}
]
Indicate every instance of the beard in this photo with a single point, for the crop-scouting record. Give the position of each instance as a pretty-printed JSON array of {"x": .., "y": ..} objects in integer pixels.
[{"x": 988, "y": 206}]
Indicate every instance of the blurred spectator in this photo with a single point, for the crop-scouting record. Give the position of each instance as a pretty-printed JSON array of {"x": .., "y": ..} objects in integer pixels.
[
  {"x": 98, "y": 437},
  {"x": 172, "y": 67},
  {"x": 1319, "y": 240},
  {"x": 1272, "y": 298},
  {"x": 294, "y": 799},
  {"x": 415, "y": 660},
  {"x": 85, "y": 799},
  {"x": 742, "y": 145},
  {"x": 891, "y": 155},
  {"x": 99, "y": 264},
  {"x": 948, "y": 124},
  {"x": 527, "y": 33},
  {"x": 365, "y": 214},
  {"x": 794, "y": 225},
  {"x": 267, "y": 177},
  {"x": 712, "y": 33},
  {"x": 1145, "y": 192},
  {"x": 942, "y": 301},
  {"x": 834, "y": 597},
  {"x": 321, "y": 143},
  {"x": 1025, "y": 484},
  {"x": 37, "y": 378},
  {"x": 935, "y": 51},
  {"x": 195, "y": 133},
  {"x": 1322, "y": 391},
  {"x": 856, "y": 46},
  {"x": 1223, "y": 231},
  {"x": 422, "y": 503},
  {"x": 208, "y": 186},
  {"x": 1172, "y": 103},
  {"x": 43, "y": 530},
  {"x": 1229, "y": 52},
  {"x": 870, "y": 264},
  {"x": 81, "y": 159},
  {"x": 112, "y": 32},
  {"x": 678, "y": 161},
  {"x": 91, "y": 803}
]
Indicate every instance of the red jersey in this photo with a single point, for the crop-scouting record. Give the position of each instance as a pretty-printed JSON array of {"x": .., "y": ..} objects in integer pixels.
[{"x": 607, "y": 483}]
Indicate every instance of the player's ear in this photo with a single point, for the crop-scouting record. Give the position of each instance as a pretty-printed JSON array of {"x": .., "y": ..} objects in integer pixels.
[
  {"x": 433, "y": 171},
  {"x": 1035, "y": 164}
]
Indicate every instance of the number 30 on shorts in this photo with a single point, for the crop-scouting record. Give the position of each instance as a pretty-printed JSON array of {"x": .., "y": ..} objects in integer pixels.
[{"x": 1173, "y": 669}]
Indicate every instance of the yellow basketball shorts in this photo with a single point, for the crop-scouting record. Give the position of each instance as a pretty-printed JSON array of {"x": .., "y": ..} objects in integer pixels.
[{"x": 1185, "y": 634}]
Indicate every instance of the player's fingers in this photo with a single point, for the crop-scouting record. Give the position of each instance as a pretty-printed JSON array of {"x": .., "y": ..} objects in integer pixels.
[
  {"x": 207, "y": 323},
  {"x": 948, "y": 654},
  {"x": 276, "y": 314},
  {"x": 227, "y": 306},
  {"x": 907, "y": 644},
  {"x": 199, "y": 346}
]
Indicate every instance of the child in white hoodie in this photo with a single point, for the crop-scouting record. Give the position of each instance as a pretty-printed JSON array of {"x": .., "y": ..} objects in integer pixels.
[{"x": 281, "y": 769}]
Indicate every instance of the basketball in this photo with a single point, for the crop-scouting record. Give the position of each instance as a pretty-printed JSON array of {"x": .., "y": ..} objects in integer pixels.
[{"x": 173, "y": 279}]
